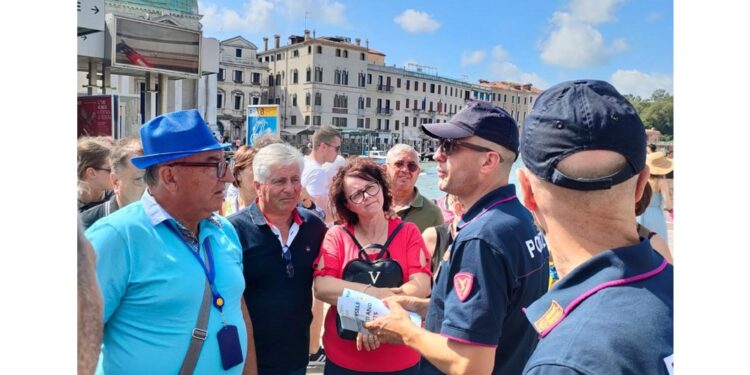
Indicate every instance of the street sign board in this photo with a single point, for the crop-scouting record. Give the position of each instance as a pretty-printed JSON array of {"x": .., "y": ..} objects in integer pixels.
[
  {"x": 90, "y": 16},
  {"x": 262, "y": 119}
]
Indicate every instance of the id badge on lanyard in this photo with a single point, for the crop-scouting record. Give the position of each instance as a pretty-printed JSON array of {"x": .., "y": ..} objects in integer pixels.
[{"x": 228, "y": 336}]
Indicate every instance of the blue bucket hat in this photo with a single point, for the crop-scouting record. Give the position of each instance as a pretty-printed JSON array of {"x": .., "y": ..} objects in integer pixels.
[
  {"x": 173, "y": 136},
  {"x": 481, "y": 119},
  {"x": 579, "y": 116}
]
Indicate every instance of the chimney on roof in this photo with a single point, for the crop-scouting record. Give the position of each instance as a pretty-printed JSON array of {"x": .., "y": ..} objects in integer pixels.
[
  {"x": 357, "y": 40},
  {"x": 265, "y": 44},
  {"x": 367, "y": 43},
  {"x": 276, "y": 38},
  {"x": 313, "y": 34},
  {"x": 307, "y": 34}
]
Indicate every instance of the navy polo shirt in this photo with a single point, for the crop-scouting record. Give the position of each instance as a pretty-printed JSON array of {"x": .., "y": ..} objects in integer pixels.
[
  {"x": 279, "y": 306},
  {"x": 613, "y": 314},
  {"x": 498, "y": 265}
]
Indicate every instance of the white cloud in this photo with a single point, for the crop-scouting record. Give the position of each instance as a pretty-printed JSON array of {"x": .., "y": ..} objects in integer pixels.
[
  {"x": 653, "y": 16},
  {"x": 472, "y": 58},
  {"x": 507, "y": 71},
  {"x": 593, "y": 11},
  {"x": 415, "y": 21},
  {"x": 575, "y": 42},
  {"x": 325, "y": 11},
  {"x": 255, "y": 17},
  {"x": 640, "y": 84},
  {"x": 259, "y": 16},
  {"x": 499, "y": 53}
]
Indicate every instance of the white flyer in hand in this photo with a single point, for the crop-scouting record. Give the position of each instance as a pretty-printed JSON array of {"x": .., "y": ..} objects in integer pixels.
[{"x": 355, "y": 308}]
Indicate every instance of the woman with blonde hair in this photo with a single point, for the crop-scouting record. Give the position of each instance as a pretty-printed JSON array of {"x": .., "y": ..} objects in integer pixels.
[
  {"x": 661, "y": 199},
  {"x": 243, "y": 181}
]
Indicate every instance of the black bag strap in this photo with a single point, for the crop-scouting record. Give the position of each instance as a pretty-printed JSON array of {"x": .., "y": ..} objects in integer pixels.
[
  {"x": 198, "y": 336},
  {"x": 383, "y": 248}
]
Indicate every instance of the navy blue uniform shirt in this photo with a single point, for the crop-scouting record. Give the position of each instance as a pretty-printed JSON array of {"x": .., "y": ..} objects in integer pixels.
[
  {"x": 279, "y": 306},
  {"x": 612, "y": 314},
  {"x": 498, "y": 265}
]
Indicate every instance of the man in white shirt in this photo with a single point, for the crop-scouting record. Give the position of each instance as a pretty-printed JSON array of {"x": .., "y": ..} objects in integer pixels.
[{"x": 326, "y": 142}]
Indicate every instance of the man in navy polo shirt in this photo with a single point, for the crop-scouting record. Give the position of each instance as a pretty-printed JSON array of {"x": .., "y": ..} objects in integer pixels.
[
  {"x": 611, "y": 312},
  {"x": 279, "y": 243},
  {"x": 498, "y": 263}
]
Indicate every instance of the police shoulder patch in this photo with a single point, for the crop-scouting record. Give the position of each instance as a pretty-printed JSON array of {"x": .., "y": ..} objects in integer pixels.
[
  {"x": 551, "y": 317},
  {"x": 463, "y": 282}
]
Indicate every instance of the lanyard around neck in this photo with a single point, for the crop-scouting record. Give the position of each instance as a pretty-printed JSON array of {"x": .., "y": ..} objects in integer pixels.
[{"x": 208, "y": 265}]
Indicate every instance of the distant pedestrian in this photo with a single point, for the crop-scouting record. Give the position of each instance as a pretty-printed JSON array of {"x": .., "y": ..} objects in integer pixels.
[
  {"x": 611, "y": 312},
  {"x": 94, "y": 185},
  {"x": 127, "y": 181},
  {"x": 402, "y": 168},
  {"x": 661, "y": 199}
]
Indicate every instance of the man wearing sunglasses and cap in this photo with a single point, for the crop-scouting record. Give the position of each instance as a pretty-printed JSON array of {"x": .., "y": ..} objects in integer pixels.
[
  {"x": 583, "y": 146},
  {"x": 402, "y": 167},
  {"x": 497, "y": 265},
  {"x": 169, "y": 268}
]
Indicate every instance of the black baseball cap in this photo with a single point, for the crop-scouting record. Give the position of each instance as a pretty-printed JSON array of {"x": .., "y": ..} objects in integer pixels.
[
  {"x": 579, "y": 116},
  {"x": 482, "y": 119}
]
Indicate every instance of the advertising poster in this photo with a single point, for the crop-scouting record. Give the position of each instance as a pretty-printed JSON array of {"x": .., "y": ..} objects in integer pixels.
[
  {"x": 262, "y": 119},
  {"x": 95, "y": 117},
  {"x": 156, "y": 47}
]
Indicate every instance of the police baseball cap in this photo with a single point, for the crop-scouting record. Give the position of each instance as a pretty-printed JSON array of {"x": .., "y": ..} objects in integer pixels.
[
  {"x": 579, "y": 116},
  {"x": 481, "y": 119}
]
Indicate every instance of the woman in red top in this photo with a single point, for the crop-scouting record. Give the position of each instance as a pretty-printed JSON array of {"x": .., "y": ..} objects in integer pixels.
[{"x": 360, "y": 194}]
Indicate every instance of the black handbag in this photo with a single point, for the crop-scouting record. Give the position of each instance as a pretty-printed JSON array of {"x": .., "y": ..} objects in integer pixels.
[{"x": 382, "y": 272}]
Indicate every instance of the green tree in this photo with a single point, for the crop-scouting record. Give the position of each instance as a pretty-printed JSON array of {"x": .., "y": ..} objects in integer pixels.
[{"x": 656, "y": 112}]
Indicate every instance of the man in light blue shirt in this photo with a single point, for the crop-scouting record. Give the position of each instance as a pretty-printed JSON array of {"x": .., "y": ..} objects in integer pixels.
[{"x": 156, "y": 256}]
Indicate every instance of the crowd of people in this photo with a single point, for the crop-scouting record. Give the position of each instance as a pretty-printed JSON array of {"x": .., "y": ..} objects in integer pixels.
[{"x": 210, "y": 264}]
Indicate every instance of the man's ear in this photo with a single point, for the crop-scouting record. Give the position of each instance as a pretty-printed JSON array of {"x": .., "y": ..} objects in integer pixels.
[
  {"x": 641, "y": 183},
  {"x": 528, "y": 198},
  {"x": 115, "y": 181},
  {"x": 168, "y": 178}
]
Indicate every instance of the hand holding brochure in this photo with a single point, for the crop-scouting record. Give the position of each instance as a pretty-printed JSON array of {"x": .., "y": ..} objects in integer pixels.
[{"x": 355, "y": 308}]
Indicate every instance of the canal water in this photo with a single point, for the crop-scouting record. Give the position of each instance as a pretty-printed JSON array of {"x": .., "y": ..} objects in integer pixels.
[{"x": 427, "y": 183}]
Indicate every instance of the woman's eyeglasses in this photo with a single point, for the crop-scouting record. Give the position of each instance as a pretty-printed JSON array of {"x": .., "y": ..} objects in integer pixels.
[
  {"x": 411, "y": 166},
  {"x": 359, "y": 196},
  {"x": 221, "y": 166}
]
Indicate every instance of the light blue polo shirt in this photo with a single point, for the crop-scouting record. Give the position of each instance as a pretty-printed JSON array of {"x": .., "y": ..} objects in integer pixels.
[{"x": 152, "y": 289}]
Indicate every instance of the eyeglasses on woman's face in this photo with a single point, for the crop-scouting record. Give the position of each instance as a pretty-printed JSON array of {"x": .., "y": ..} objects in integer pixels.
[{"x": 359, "y": 196}]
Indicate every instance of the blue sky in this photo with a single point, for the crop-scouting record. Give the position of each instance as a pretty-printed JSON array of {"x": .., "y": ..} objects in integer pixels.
[{"x": 626, "y": 42}]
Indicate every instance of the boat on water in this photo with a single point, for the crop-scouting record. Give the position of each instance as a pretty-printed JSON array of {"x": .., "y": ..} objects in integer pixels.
[{"x": 376, "y": 155}]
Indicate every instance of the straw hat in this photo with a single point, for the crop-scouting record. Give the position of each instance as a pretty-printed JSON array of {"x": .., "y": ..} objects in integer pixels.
[{"x": 659, "y": 164}]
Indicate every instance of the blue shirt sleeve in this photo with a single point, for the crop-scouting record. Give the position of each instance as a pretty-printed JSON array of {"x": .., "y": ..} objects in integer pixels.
[
  {"x": 478, "y": 319},
  {"x": 112, "y": 265}
]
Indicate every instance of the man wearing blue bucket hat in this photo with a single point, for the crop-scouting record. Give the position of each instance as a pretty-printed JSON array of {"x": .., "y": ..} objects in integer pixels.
[
  {"x": 169, "y": 268},
  {"x": 584, "y": 148}
]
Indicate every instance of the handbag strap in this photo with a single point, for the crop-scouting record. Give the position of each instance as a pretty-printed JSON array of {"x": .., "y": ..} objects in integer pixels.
[
  {"x": 198, "y": 336},
  {"x": 383, "y": 248}
]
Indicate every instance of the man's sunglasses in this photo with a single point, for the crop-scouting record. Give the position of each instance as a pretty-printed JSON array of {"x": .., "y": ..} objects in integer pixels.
[
  {"x": 221, "y": 166},
  {"x": 411, "y": 166},
  {"x": 447, "y": 146},
  {"x": 337, "y": 147}
]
